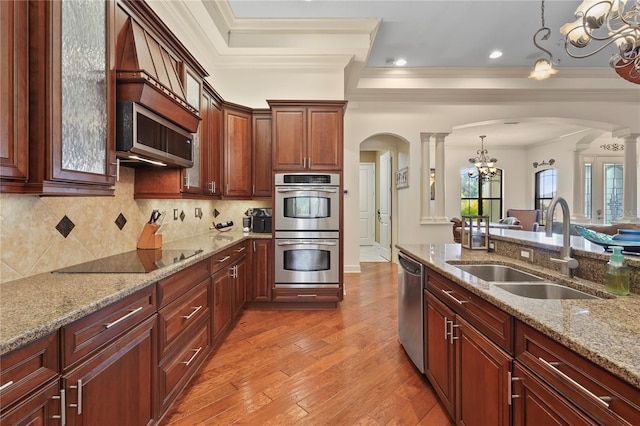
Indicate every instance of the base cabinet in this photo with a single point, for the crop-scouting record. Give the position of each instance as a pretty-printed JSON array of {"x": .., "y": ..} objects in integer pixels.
[
  {"x": 259, "y": 289},
  {"x": 41, "y": 408}
]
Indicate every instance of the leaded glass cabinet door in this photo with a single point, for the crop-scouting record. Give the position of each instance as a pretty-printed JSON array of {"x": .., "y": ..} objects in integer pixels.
[{"x": 74, "y": 95}]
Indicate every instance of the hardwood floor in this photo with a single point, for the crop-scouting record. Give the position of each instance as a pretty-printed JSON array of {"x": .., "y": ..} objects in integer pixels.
[{"x": 340, "y": 367}]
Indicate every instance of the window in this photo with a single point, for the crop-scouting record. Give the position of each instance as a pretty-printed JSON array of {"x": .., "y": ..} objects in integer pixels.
[
  {"x": 481, "y": 197},
  {"x": 545, "y": 191},
  {"x": 612, "y": 192},
  {"x": 587, "y": 190}
]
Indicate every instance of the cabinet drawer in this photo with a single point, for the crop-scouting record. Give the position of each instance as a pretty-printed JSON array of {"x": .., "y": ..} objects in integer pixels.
[
  {"x": 176, "y": 370},
  {"x": 27, "y": 368},
  {"x": 597, "y": 392},
  {"x": 307, "y": 294},
  {"x": 492, "y": 321},
  {"x": 172, "y": 287},
  {"x": 91, "y": 332},
  {"x": 182, "y": 315},
  {"x": 227, "y": 257}
]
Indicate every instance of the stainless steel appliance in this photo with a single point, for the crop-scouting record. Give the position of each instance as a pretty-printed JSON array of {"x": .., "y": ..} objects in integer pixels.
[
  {"x": 305, "y": 259},
  {"x": 410, "y": 308},
  {"x": 307, "y": 230},
  {"x": 307, "y": 201},
  {"x": 261, "y": 220}
]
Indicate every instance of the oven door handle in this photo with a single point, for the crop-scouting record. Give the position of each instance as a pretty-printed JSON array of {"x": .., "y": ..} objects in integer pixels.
[
  {"x": 306, "y": 189},
  {"x": 298, "y": 243}
]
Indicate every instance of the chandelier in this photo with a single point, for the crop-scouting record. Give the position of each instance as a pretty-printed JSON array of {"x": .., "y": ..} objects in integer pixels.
[
  {"x": 607, "y": 22},
  {"x": 543, "y": 68},
  {"x": 484, "y": 165}
]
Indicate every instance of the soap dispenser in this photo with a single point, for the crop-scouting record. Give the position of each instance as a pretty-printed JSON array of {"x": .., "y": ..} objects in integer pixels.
[{"x": 617, "y": 273}]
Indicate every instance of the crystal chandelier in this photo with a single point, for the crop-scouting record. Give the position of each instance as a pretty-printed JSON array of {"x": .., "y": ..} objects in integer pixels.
[
  {"x": 607, "y": 22},
  {"x": 484, "y": 165}
]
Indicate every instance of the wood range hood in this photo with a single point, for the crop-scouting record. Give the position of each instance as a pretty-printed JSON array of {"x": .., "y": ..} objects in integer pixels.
[{"x": 147, "y": 74}]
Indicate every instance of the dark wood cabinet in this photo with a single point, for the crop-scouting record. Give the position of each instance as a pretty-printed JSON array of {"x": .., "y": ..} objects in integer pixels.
[
  {"x": 262, "y": 180},
  {"x": 239, "y": 276},
  {"x": 211, "y": 142},
  {"x": 42, "y": 407},
  {"x": 116, "y": 385},
  {"x": 221, "y": 285},
  {"x": 259, "y": 288},
  {"x": 236, "y": 151},
  {"x": 14, "y": 102},
  {"x": 71, "y": 106},
  {"x": 307, "y": 135},
  {"x": 459, "y": 356}
]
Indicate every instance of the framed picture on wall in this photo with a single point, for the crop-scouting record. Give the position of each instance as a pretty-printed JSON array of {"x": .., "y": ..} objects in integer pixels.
[
  {"x": 432, "y": 183},
  {"x": 402, "y": 178}
]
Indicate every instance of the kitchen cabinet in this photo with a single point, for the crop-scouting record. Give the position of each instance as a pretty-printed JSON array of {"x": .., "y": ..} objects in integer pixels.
[
  {"x": 307, "y": 135},
  {"x": 29, "y": 383},
  {"x": 211, "y": 141},
  {"x": 228, "y": 283},
  {"x": 184, "y": 333},
  {"x": 259, "y": 289},
  {"x": 71, "y": 98},
  {"x": 458, "y": 355},
  {"x": 236, "y": 143},
  {"x": 14, "y": 102},
  {"x": 547, "y": 369},
  {"x": 262, "y": 180}
]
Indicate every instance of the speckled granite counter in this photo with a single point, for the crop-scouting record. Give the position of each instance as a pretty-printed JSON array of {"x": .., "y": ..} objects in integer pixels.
[
  {"x": 605, "y": 331},
  {"x": 35, "y": 306}
]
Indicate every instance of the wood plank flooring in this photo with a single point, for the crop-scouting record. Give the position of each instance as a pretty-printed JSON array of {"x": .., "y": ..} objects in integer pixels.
[{"x": 338, "y": 367}]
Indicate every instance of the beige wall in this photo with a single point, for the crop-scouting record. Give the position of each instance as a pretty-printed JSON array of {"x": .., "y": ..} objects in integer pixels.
[{"x": 30, "y": 243}]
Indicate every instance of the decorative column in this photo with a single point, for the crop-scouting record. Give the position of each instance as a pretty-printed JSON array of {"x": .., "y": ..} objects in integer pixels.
[
  {"x": 440, "y": 183},
  {"x": 425, "y": 183},
  {"x": 630, "y": 179},
  {"x": 577, "y": 208}
]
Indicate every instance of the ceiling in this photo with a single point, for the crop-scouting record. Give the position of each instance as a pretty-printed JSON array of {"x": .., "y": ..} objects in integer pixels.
[{"x": 441, "y": 33}]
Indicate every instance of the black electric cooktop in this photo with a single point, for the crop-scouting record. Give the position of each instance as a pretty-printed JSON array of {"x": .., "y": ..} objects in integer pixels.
[{"x": 131, "y": 262}]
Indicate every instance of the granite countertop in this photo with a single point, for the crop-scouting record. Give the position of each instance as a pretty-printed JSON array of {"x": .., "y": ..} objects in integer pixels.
[
  {"x": 35, "y": 306},
  {"x": 605, "y": 331}
]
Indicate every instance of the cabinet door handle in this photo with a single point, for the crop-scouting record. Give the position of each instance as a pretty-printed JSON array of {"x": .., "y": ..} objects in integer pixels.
[
  {"x": 63, "y": 408},
  {"x": 446, "y": 329},
  {"x": 254, "y": 245},
  {"x": 510, "y": 394},
  {"x": 122, "y": 318},
  {"x": 195, "y": 310},
  {"x": 197, "y": 351},
  {"x": 224, "y": 259},
  {"x": 450, "y": 294},
  {"x": 79, "y": 392},
  {"x": 452, "y": 337},
  {"x": 6, "y": 385},
  {"x": 304, "y": 162},
  {"x": 604, "y": 400}
]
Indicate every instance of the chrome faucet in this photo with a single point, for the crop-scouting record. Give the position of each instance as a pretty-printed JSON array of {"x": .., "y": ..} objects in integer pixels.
[{"x": 567, "y": 263}]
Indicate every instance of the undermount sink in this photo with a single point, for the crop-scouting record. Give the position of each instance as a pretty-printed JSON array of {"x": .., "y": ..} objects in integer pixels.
[
  {"x": 544, "y": 291},
  {"x": 499, "y": 273}
]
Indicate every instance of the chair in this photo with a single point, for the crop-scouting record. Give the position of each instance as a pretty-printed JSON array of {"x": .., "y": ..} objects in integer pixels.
[{"x": 528, "y": 218}]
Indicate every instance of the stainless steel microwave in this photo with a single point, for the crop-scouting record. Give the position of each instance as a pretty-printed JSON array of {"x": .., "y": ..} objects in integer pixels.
[{"x": 143, "y": 136}]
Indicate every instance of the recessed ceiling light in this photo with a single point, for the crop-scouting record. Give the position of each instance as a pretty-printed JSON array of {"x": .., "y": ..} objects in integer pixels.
[
  {"x": 400, "y": 62},
  {"x": 495, "y": 54}
]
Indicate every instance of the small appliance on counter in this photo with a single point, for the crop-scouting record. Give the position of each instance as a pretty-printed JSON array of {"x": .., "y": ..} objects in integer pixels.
[{"x": 261, "y": 220}]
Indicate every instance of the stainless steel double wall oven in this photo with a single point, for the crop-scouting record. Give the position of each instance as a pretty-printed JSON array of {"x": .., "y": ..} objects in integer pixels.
[{"x": 307, "y": 226}]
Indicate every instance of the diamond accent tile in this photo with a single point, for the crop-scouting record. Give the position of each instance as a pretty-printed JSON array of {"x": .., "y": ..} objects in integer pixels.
[
  {"x": 121, "y": 221},
  {"x": 65, "y": 226},
  {"x": 182, "y": 216}
]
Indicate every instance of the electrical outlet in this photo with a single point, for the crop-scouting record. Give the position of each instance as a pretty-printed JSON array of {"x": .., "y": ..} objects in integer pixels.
[
  {"x": 492, "y": 245},
  {"x": 175, "y": 214},
  {"x": 526, "y": 254},
  {"x": 198, "y": 212}
]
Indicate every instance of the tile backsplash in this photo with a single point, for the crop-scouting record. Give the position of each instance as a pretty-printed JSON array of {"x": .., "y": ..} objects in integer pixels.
[{"x": 32, "y": 228}]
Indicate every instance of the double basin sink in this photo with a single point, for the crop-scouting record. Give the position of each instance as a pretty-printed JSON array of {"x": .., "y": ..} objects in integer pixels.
[{"x": 522, "y": 283}]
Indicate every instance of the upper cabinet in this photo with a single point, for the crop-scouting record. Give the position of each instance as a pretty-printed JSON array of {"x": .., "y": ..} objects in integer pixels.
[
  {"x": 57, "y": 126},
  {"x": 236, "y": 142},
  {"x": 14, "y": 79},
  {"x": 307, "y": 135},
  {"x": 262, "y": 180},
  {"x": 211, "y": 142}
]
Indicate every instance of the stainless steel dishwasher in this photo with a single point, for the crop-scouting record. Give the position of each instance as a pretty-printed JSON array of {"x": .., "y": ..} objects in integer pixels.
[{"x": 410, "y": 309}]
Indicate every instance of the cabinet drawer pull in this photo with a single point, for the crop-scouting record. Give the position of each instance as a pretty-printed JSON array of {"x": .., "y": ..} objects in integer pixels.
[
  {"x": 197, "y": 351},
  {"x": 79, "y": 404},
  {"x": 133, "y": 312},
  {"x": 604, "y": 400},
  {"x": 195, "y": 310},
  {"x": 449, "y": 293},
  {"x": 6, "y": 385},
  {"x": 224, "y": 259},
  {"x": 510, "y": 394},
  {"x": 63, "y": 408},
  {"x": 307, "y": 295},
  {"x": 241, "y": 249}
]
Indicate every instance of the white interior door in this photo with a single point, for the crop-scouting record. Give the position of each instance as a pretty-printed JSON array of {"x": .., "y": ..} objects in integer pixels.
[
  {"x": 384, "y": 213},
  {"x": 367, "y": 203}
]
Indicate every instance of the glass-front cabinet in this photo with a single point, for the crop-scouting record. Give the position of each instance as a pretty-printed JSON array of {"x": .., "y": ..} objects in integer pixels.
[{"x": 71, "y": 98}]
